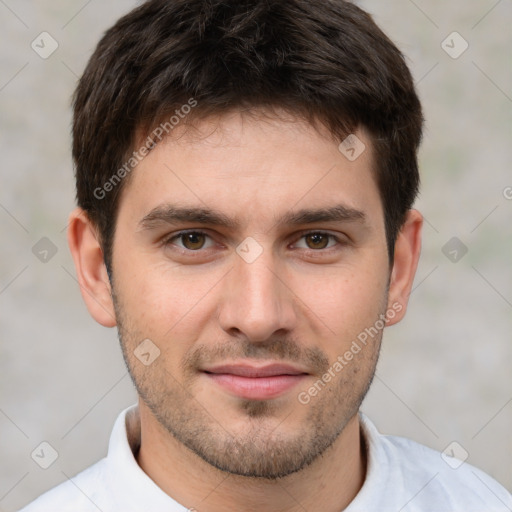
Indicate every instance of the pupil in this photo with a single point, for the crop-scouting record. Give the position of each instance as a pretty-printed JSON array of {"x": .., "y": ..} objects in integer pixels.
[
  {"x": 317, "y": 239},
  {"x": 193, "y": 240}
]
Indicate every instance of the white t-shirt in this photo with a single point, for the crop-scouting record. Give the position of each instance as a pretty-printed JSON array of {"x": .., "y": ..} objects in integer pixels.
[{"x": 402, "y": 475}]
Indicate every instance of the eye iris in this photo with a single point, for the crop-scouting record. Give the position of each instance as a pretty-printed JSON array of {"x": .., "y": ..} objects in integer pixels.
[
  {"x": 193, "y": 241},
  {"x": 318, "y": 240}
]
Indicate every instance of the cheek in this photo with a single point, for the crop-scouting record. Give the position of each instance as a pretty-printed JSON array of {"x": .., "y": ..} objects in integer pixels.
[
  {"x": 165, "y": 304},
  {"x": 343, "y": 302}
]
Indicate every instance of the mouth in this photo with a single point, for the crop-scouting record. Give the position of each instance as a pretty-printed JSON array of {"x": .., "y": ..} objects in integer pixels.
[{"x": 256, "y": 382}]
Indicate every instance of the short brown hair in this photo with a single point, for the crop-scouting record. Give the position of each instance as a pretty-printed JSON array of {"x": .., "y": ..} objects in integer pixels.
[{"x": 324, "y": 60}]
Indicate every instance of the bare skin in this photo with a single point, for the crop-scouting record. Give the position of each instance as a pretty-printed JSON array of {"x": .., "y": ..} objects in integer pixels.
[{"x": 300, "y": 296}]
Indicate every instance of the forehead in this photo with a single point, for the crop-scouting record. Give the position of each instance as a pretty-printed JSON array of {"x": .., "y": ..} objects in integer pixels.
[{"x": 253, "y": 167}]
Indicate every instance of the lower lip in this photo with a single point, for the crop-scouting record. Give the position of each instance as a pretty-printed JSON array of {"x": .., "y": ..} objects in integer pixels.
[{"x": 256, "y": 388}]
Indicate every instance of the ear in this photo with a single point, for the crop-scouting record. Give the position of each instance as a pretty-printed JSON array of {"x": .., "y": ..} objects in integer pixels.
[
  {"x": 91, "y": 272},
  {"x": 405, "y": 262}
]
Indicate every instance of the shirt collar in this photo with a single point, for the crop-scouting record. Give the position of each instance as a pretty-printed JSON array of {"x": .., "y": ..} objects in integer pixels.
[
  {"x": 379, "y": 470},
  {"x": 133, "y": 490}
]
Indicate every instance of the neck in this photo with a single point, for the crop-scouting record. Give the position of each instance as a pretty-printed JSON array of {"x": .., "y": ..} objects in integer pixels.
[{"x": 329, "y": 484}]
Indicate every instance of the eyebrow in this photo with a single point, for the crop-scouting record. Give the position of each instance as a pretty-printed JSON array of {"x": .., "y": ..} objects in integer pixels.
[{"x": 172, "y": 214}]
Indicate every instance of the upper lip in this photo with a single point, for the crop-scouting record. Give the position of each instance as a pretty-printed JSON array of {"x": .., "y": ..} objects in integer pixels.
[{"x": 246, "y": 370}]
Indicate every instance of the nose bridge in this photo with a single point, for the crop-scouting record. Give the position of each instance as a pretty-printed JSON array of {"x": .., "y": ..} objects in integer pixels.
[
  {"x": 258, "y": 281},
  {"x": 258, "y": 303}
]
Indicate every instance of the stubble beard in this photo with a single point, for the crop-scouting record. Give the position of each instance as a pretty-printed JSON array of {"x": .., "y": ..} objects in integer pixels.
[{"x": 266, "y": 448}]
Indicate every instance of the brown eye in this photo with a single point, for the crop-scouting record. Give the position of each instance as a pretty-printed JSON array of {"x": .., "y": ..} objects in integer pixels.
[
  {"x": 317, "y": 240},
  {"x": 193, "y": 241},
  {"x": 191, "y": 244}
]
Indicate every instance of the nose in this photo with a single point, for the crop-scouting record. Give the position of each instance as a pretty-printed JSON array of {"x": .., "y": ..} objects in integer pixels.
[{"x": 257, "y": 301}]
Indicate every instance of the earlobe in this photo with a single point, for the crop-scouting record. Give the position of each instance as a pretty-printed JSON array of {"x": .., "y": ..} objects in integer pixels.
[
  {"x": 405, "y": 262},
  {"x": 90, "y": 268}
]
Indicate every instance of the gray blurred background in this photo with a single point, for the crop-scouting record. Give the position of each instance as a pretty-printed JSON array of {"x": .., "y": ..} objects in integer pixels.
[{"x": 445, "y": 371}]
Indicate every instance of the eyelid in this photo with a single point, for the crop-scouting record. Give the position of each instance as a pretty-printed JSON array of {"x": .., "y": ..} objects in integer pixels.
[
  {"x": 167, "y": 240},
  {"x": 339, "y": 240},
  {"x": 173, "y": 236}
]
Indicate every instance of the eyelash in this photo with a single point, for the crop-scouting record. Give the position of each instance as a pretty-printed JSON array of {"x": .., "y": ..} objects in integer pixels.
[{"x": 169, "y": 241}]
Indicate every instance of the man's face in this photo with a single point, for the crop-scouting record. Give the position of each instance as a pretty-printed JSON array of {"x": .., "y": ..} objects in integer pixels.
[{"x": 229, "y": 301}]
